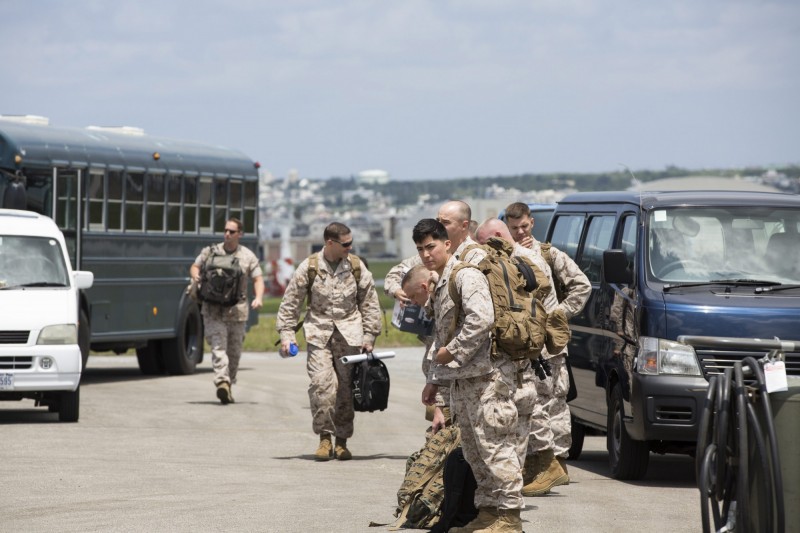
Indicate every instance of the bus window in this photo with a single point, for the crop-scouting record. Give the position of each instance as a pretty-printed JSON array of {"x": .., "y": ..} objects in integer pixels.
[
  {"x": 220, "y": 204},
  {"x": 134, "y": 201},
  {"x": 189, "y": 205},
  {"x": 155, "y": 202},
  {"x": 205, "y": 199},
  {"x": 235, "y": 199},
  {"x": 250, "y": 206},
  {"x": 174, "y": 203},
  {"x": 114, "y": 206},
  {"x": 95, "y": 195}
]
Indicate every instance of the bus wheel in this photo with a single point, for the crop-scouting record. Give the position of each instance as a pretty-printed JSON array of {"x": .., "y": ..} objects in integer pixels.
[
  {"x": 150, "y": 359},
  {"x": 183, "y": 353},
  {"x": 69, "y": 405},
  {"x": 84, "y": 334}
]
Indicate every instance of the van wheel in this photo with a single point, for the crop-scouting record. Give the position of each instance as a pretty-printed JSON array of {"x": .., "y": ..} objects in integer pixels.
[
  {"x": 150, "y": 359},
  {"x": 84, "y": 334},
  {"x": 628, "y": 458},
  {"x": 183, "y": 353},
  {"x": 578, "y": 433},
  {"x": 69, "y": 405}
]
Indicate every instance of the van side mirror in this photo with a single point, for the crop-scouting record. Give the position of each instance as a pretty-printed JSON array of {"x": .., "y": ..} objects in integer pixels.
[
  {"x": 615, "y": 267},
  {"x": 83, "y": 279}
]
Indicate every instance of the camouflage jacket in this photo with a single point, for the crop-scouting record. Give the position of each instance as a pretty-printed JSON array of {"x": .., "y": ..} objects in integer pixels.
[
  {"x": 250, "y": 269},
  {"x": 471, "y": 344},
  {"x": 577, "y": 286},
  {"x": 336, "y": 303},
  {"x": 394, "y": 278}
]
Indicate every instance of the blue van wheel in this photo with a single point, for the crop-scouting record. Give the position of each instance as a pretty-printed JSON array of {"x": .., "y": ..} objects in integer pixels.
[{"x": 628, "y": 458}]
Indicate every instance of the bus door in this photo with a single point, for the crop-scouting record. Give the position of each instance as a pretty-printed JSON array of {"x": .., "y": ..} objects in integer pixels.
[{"x": 67, "y": 210}]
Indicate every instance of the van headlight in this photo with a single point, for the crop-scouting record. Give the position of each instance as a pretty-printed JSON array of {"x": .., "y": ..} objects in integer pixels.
[
  {"x": 660, "y": 356},
  {"x": 59, "y": 334}
]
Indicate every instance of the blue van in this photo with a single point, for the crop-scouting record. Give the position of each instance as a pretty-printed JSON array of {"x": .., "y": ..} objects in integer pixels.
[{"x": 665, "y": 264}]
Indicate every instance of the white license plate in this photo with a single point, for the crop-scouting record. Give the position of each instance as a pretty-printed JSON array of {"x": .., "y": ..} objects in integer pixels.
[{"x": 6, "y": 381}]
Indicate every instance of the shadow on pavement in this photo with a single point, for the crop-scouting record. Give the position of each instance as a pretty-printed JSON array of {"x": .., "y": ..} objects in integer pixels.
[
  {"x": 310, "y": 457},
  {"x": 669, "y": 470}
]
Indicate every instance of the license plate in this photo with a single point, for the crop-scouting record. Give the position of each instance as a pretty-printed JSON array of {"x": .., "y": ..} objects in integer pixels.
[{"x": 6, "y": 381}]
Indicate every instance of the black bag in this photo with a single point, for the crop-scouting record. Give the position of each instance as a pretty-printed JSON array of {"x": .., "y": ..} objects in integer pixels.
[
  {"x": 370, "y": 384},
  {"x": 458, "y": 507},
  {"x": 219, "y": 280}
]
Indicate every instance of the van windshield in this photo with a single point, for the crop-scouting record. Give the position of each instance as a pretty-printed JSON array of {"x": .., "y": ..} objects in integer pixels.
[
  {"x": 697, "y": 244},
  {"x": 31, "y": 262}
]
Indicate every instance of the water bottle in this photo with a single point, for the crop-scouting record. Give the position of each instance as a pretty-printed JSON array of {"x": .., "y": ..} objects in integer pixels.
[{"x": 293, "y": 349}]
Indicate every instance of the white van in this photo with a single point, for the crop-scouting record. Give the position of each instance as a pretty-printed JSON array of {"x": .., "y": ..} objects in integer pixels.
[{"x": 39, "y": 354}]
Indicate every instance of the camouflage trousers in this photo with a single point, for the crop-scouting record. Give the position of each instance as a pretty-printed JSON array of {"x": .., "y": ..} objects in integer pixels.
[
  {"x": 225, "y": 339},
  {"x": 551, "y": 426},
  {"x": 493, "y": 434},
  {"x": 329, "y": 392}
]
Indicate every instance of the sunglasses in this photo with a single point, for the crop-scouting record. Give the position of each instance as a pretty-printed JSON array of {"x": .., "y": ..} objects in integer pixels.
[
  {"x": 347, "y": 244},
  {"x": 231, "y": 231}
]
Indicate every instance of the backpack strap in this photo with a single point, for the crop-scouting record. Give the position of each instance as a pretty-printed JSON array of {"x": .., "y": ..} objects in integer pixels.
[
  {"x": 313, "y": 270},
  {"x": 355, "y": 265},
  {"x": 455, "y": 296}
]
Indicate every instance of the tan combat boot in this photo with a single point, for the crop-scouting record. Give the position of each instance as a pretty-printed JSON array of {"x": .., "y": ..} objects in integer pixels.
[
  {"x": 531, "y": 469},
  {"x": 224, "y": 393},
  {"x": 325, "y": 450},
  {"x": 508, "y": 521},
  {"x": 563, "y": 462},
  {"x": 485, "y": 518},
  {"x": 341, "y": 452},
  {"x": 552, "y": 476}
]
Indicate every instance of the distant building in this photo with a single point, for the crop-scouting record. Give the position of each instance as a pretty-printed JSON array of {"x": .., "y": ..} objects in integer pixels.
[{"x": 373, "y": 177}]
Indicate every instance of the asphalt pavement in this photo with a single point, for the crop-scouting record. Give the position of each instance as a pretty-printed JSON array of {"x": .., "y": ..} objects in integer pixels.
[{"x": 162, "y": 454}]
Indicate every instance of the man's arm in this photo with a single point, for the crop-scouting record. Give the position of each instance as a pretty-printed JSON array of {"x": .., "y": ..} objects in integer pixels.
[
  {"x": 370, "y": 309},
  {"x": 476, "y": 304},
  {"x": 258, "y": 287},
  {"x": 289, "y": 310},
  {"x": 392, "y": 282},
  {"x": 576, "y": 284}
]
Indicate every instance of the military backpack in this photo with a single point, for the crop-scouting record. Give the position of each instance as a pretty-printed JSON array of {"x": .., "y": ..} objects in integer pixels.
[{"x": 220, "y": 278}]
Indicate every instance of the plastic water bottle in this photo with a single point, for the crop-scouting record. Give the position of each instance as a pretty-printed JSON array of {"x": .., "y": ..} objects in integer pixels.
[{"x": 293, "y": 349}]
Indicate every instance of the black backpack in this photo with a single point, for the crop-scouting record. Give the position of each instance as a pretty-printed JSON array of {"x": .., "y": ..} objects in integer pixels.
[
  {"x": 219, "y": 280},
  {"x": 370, "y": 385},
  {"x": 458, "y": 507}
]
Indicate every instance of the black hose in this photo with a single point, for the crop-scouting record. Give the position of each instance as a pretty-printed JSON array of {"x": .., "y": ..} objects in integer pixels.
[{"x": 725, "y": 451}]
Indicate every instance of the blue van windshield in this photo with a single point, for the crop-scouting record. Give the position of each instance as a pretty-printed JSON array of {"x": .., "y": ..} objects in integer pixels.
[{"x": 697, "y": 244}]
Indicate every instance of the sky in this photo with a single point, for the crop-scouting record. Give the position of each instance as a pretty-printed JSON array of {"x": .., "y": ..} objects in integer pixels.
[{"x": 422, "y": 89}]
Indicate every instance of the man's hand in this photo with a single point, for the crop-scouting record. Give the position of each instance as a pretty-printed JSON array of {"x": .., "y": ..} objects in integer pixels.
[
  {"x": 438, "y": 419},
  {"x": 429, "y": 394},
  {"x": 366, "y": 347},
  {"x": 401, "y": 296},
  {"x": 443, "y": 356},
  {"x": 526, "y": 241},
  {"x": 284, "y": 351},
  {"x": 256, "y": 303}
]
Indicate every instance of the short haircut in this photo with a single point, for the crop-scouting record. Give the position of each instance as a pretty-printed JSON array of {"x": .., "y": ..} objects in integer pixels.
[
  {"x": 463, "y": 209},
  {"x": 235, "y": 221},
  {"x": 518, "y": 210},
  {"x": 335, "y": 230},
  {"x": 429, "y": 227},
  {"x": 413, "y": 274}
]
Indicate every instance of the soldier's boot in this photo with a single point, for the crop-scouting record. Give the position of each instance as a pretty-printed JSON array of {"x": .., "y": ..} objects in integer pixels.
[
  {"x": 341, "y": 452},
  {"x": 325, "y": 450},
  {"x": 508, "y": 521},
  {"x": 224, "y": 393},
  {"x": 552, "y": 476},
  {"x": 485, "y": 518},
  {"x": 531, "y": 469},
  {"x": 563, "y": 462}
]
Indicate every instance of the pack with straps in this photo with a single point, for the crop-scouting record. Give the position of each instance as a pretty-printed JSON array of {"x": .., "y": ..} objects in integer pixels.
[
  {"x": 420, "y": 498},
  {"x": 458, "y": 505},
  {"x": 522, "y": 327},
  {"x": 220, "y": 278},
  {"x": 370, "y": 385}
]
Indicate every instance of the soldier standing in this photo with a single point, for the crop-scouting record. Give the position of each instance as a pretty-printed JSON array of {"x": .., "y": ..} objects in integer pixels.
[
  {"x": 225, "y": 326},
  {"x": 551, "y": 433},
  {"x": 482, "y": 391},
  {"x": 343, "y": 318}
]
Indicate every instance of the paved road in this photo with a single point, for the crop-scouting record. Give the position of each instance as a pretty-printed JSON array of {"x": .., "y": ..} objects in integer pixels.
[{"x": 161, "y": 454}]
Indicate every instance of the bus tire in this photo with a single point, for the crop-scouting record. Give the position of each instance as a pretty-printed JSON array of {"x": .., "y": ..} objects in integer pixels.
[
  {"x": 69, "y": 405},
  {"x": 183, "y": 353},
  {"x": 150, "y": 357},
  {"x": 84, "y": 336},
  {"x": 628, "y": 458}
]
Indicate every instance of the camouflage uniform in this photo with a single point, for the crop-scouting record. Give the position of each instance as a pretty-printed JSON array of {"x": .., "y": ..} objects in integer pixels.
[
  {"x": 340, "y": 318},
  {"x": 483, "y": 391},
  {"x": 225, "y": 326},
  {"x": 551, "y": 424}
]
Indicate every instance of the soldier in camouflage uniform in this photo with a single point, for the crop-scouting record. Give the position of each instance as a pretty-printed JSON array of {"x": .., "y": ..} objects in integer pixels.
[
  {"x": 482, "y": 390},
  {"x": 551, "y": 435},
  {"x": 343, "y": 318},
  {"x": 225, "y": 326}
]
